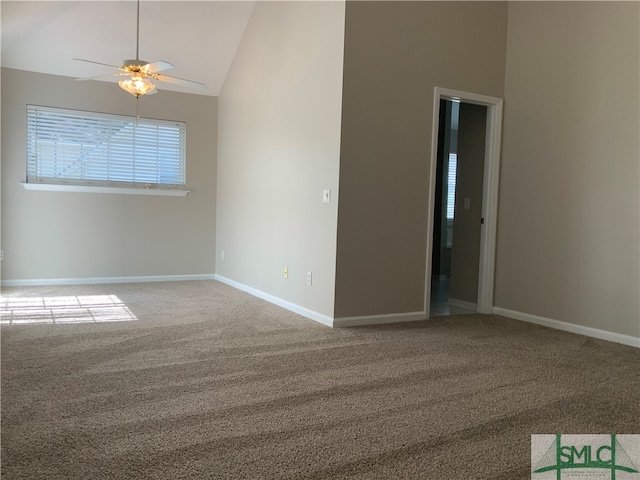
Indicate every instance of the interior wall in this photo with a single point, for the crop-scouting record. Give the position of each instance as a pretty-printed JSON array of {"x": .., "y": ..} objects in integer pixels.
[
  {"x": 396, "y": 53},
  {"x": 439, "y": 265},
  {"x": 465, "y": 253},
  {"x": 568, "y": 234},
  {"x": 279, "y": 149},
  {"x": 56, "y": 235}
]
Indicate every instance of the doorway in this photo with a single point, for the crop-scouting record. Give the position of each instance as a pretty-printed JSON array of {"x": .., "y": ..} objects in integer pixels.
[{"x": 462, "y": 203}]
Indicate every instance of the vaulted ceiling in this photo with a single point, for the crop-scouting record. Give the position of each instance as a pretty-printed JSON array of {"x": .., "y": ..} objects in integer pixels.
[{"x": 199, "y": 38}]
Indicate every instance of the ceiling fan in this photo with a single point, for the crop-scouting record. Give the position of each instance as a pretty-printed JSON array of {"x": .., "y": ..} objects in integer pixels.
[{"x": 141, "y": 72}]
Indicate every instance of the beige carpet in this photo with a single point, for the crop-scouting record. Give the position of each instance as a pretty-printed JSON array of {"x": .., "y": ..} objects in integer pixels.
[{"x": 208, "y": 382}]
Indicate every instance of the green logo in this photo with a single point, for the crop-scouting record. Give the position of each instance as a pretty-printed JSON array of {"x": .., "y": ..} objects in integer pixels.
[{"x": 581, "y": 458}]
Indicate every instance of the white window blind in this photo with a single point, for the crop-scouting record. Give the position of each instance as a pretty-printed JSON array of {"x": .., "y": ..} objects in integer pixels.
[
  {"x": 451, "y": 185},
  {"x": 86, "y": 148}
]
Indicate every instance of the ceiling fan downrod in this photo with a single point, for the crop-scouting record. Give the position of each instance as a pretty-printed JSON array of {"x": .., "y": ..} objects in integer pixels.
[{"x": 138, "y": 33}]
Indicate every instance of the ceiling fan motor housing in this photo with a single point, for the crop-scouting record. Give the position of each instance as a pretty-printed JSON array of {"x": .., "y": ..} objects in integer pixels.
[{"x": 134, "y": 65}]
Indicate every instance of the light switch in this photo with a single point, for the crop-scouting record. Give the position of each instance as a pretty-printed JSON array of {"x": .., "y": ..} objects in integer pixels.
[
  {"x": 326, "y": 196},
  {"x": 467, "y": 203}
]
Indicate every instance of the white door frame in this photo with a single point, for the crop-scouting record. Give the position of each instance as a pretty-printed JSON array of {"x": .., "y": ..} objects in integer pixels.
[{"x": 489, "y": 196}]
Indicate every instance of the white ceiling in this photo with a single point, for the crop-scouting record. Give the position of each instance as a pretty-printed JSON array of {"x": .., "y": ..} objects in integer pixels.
[{"x": 199, "y": 38}]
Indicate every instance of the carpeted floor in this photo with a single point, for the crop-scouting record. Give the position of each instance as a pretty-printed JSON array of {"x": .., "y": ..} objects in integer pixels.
[{"x": 209, "y": 382}]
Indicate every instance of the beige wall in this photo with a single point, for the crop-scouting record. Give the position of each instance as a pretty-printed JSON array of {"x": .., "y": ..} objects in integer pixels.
[
  {"x": 568, "y": 233},
  {"x": 279, "y": 148},
  {"x": 395, "y": 54},
  {"x": 53, "y": 235}
]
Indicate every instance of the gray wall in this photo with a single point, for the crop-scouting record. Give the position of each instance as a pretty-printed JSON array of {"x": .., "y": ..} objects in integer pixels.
[
  {"x": 465, "y": 254},
  {"x": 279, "y": 149},
  {"x": 568, "y": 234},
  {"x": 395, "y": 54},
  {"x": 53, "y": 235}
]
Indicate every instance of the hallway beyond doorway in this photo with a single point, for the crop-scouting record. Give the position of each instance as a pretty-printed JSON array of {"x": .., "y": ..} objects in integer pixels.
[{"x": 440, "y": 297}]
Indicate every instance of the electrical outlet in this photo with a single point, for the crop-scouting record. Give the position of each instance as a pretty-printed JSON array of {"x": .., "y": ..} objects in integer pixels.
[
  {"x": 309, "y": 278},
  {"x": 285, "y": 272}
]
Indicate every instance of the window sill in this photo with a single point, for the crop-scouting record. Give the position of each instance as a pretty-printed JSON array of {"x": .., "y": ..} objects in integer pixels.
[{"x": 50, "y": 187}]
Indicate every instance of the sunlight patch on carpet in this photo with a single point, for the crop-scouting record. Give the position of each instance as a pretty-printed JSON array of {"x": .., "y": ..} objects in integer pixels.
[{"x": 62, "y": 310}]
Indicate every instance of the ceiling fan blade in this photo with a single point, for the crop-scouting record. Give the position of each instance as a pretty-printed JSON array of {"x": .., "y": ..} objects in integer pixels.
[
  {"x": 98, "y": 63},
  {"x": 158, "y": 66},
  {"x": 102, "y": 76},
  {"x": 180, "y": 81}
]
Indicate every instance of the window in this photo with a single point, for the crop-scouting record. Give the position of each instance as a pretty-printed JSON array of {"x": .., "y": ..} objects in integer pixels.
[
  {"x": 451, "y": 185},
  {"x": 69, "y": 147}
]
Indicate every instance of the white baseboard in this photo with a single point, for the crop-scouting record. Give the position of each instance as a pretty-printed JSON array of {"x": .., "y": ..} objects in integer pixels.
[
  {"x": 292, "y": 307},
  {"x": 454, "y": 302},
  {"x": 100, "y": 280},
  {"x": 378, "y": 319},
  {"x": 320, "y": 318},
  {"x": 570, "y": 327}
]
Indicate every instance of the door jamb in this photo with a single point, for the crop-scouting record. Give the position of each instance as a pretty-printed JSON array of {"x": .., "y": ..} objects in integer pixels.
[{"x": 490, "y": 184}]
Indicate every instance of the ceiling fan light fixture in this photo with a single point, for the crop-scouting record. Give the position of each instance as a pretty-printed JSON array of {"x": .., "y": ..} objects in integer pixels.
[{"x": 137, "y": 85}]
